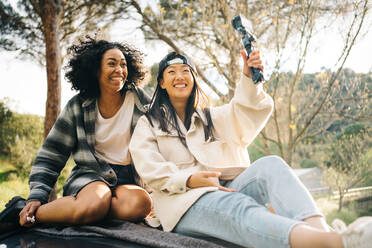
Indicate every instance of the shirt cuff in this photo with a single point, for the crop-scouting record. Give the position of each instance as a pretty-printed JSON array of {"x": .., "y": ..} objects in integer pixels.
[{"x": 177, "y": 183}]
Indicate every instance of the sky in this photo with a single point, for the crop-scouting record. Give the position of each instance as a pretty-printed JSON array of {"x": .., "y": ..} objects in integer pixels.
[{"x": 23, "y": 83}]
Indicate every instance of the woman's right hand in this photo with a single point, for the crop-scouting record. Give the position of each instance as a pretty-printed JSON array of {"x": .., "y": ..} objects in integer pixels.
[
  {"x": 202, "y": 179},
  {"x": 29, "y": 211},
  {"x": 254, "y": 61}
]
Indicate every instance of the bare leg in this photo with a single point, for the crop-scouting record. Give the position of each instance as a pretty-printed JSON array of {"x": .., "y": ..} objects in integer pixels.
[
  {"x": 131, "y": 203},
  {"x": 91, "y": 204},
  {"x": 318, "y": 222},
  {"x": 303, "y": 236}
]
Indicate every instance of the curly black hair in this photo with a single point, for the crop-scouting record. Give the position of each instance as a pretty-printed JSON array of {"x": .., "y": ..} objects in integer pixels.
[{"x": 83, "y": 68}]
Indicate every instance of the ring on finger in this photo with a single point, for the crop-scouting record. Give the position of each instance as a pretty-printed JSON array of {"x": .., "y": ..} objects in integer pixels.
[{"x": 31, "y": 219}]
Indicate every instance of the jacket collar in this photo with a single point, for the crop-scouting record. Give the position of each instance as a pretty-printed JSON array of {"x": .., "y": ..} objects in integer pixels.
[{"x": 198, "y": 114}]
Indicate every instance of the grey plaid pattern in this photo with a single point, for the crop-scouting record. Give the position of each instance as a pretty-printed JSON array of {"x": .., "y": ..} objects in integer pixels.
[{"x": 73, "y": 135}]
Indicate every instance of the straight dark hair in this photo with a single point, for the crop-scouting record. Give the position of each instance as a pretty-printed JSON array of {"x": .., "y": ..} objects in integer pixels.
[{"x": 161, "y": 109}]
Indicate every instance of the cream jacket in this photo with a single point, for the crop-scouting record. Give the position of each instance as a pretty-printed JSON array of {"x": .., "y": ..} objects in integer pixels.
[{"x": 165, "y": 164}]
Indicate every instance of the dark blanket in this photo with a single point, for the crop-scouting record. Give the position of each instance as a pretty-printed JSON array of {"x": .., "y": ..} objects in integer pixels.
[{"x": 131, "y": 232}]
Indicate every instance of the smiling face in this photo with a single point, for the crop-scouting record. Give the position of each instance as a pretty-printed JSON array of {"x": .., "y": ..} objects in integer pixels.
[
  {"x": 113, "y": 71},
  {"x": 178, "y": 82}
]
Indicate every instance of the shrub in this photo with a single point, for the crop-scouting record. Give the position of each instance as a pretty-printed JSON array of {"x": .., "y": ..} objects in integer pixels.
[
  {"x": 22, "y": 155},
  {"x": 348, "y": 163},
  {"x": 309, "y": 163},
  {"x": 27, "y": 135},
  {"x": 6, "y": 134},
  {"x": 15, "y": 126}
]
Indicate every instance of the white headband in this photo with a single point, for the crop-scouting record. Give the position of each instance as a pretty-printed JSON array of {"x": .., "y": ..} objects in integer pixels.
[{"x": 175, "y": 61}]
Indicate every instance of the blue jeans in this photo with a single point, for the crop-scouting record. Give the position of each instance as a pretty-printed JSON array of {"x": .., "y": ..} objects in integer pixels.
[{"x": 242, "y": 217}]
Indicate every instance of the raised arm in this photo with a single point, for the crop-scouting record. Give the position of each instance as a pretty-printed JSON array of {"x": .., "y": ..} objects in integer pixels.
[{"x": 241, "y": 120}]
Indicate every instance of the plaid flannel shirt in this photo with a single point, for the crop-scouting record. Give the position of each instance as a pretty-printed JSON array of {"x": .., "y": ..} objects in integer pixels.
[{"x": 73, "y": 134}]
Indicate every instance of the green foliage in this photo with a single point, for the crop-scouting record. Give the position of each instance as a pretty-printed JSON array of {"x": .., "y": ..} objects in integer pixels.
[
  {"x": 351, "y": 148},
  {"x": 11, "y": 183},
  {"x": 256, "y": 149},
  {"x": 12, "y": 187},
  {"x": 22, "y": 154},
  {"x": 254, "y": 154},
  {"x": 30, "y": 132},
  {"x": 11, "y": 25},
  {"x": 309, "y": 163},
  {"x": 346, "y": 108},
  {"x": 20, "y": 137},
  {"x": 367, "y": 180},
  {"x": 354, "y": 129},
  {"x": 6, "y": 135},
  {"x": 348, "y": 214},
  {"x": 349, "y": 160}
]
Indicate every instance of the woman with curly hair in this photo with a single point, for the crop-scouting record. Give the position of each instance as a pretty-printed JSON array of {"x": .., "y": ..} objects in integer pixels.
[{"x": 94, "y": 128}]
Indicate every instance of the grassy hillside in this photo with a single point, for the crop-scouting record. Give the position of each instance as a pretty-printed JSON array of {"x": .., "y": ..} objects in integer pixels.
[{"x": 11, "y": 184}]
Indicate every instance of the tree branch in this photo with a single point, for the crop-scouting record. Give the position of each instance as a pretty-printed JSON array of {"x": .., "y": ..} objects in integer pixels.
[{"x": 335, "y": 75}]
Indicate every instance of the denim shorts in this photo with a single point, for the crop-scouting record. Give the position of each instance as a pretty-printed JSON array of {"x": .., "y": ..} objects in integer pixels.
[{"x": 126, "y": 174}]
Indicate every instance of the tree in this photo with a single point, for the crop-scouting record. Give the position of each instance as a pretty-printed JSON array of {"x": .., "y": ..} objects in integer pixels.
[
  {"x": 346, "y": 102},
  {"x": 44, "y": 28},
  {"x": 309, "y": 115},
  {"x": 349, "y": 160},
  {"x": 48, "y": 24},
  {"x": 285, "y": 29}
]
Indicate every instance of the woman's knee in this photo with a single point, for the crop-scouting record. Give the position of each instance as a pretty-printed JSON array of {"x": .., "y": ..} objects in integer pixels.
[
  {"x": 272, "y": 164},
  {"x": 141, "y": 204},
  {"x": 278, "y": 161},
  {"x": 131, "y": 203},
  {"x": 91, "y": 207}
]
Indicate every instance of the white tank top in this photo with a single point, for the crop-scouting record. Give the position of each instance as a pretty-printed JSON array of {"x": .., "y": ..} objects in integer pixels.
[{"x": 112, "y": 135}]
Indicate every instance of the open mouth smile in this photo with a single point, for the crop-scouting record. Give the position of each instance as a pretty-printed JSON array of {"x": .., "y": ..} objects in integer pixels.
[
  {"x": 117, "y": 78},
  {"x": 180, "y": 85}
]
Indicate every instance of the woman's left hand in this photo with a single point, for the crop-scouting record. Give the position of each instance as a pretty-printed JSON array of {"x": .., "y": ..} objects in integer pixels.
[
  {"x": 254, "y": 60},
  {"x": 28, "y": 213},
  {"x": 202, "y": 179}
]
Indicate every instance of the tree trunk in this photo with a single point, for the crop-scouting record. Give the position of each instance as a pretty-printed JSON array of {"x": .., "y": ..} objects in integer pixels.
[
  {"x": 51, "y": 11},
  {"x": 340, "y": 201}
]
